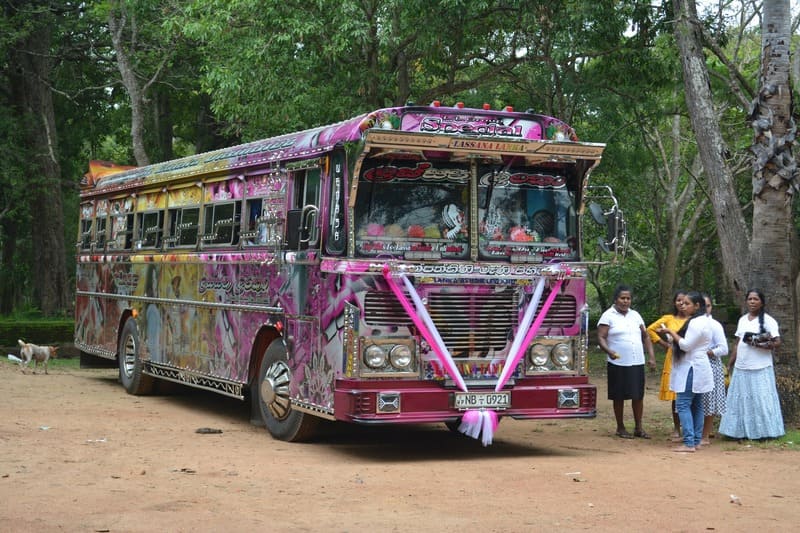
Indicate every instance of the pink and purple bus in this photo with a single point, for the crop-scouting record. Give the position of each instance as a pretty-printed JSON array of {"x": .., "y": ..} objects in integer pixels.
[{"x": 418, "y": 264}]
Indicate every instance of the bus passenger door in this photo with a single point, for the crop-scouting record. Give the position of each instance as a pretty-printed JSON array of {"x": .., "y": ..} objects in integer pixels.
[{"x": 302, "y": 219}]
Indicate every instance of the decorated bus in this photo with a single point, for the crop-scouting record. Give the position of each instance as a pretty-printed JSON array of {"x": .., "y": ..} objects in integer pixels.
[{"x": 417, "y": 264}]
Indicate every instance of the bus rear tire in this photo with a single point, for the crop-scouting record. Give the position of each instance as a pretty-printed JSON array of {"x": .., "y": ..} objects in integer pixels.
[
  {"x": 275, "y": 405},
  {"x": 131, "y": 374}
]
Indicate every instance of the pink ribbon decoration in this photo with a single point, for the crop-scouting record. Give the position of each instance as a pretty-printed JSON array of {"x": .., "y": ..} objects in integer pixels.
[
  {"x": 523, "y": 329},
  {"x": 475, "y": 422},
  {"x": 441, "y": 353},
  {"x": 426, "y": 318},
  {"x": 481, "y": 422},
  {"x": 512, "y": 361}
]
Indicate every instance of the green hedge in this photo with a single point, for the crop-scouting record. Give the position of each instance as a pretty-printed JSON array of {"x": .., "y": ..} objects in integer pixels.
[{"x": 36, "y": 331}]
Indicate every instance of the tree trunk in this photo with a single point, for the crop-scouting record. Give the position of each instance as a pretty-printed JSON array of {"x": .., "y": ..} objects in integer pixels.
[
  {"x": 163, "y": 126},
  {"x": 731, "y": 226},
  {"x": 30, "y": 86},
  {"x": 773, "y": 265},
  {"x": 116, "y": 25},
  {"x": 9, "y": 288},
  {"x": 673, "y": 211},
  {"x": 677, "y": 210},
  {"x": 208, "y": 134},
  {"x": 371, "y": 55}
]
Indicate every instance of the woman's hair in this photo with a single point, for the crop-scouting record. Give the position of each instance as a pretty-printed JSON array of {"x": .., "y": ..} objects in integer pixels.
[
  {"x": 763, "y": 307},
  {"x": 619, "y": 290},
  {"x": 698, "y": 299},
  {"x": 710, "y": 299}
]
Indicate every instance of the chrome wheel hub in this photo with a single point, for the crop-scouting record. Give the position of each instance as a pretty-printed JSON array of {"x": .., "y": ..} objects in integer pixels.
[
  {"x": 274, "y": 389},
  {"x": 129, "y": 356}
]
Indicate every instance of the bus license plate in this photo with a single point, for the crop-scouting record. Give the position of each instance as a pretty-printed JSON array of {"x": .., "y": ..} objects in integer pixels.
[{"x": 476, "y": 400}]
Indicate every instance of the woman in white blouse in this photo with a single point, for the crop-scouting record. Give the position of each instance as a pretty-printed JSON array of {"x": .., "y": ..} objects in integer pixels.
[
  {"x": 691, "y": 371},
  {"x": 753, "y": 406}
]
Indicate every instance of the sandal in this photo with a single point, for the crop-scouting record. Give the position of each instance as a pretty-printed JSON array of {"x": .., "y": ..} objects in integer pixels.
[
  {"x": 624, "y": 435},
  {"x": 683, "y": 449},
  {"x": 642, "y": 434}
]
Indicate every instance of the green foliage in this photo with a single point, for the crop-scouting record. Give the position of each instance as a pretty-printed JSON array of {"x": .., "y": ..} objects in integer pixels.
[
  {"x": 31, "y": 327},
  {"x": 609, "y": 68}
]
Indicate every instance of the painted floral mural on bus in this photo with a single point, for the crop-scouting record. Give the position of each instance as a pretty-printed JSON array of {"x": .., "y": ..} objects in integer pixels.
[
  {"x": 318, "y": 381},
  {"x": 88, "y": 311},
  {"x": 342, "y": 290}
]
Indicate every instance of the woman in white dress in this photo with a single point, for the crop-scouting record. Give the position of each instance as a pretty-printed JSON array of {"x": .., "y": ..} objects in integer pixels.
[
  {"x": 753, "y": 408},
  {"x": 691, "y": 371}
]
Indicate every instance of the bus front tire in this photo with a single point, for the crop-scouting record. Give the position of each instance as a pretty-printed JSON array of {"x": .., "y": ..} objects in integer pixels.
[
  {"x": 274, "y": 402},
  {"x": 453, "y": 425},
  {"x": 131, "y": 374}
]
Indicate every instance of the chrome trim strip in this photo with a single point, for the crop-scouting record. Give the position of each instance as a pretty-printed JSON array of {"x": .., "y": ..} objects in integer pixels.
[
  {"x": 195, "y": 303},
  {"x": 95, "y": 350},
  {"x": 195, "y": 379},
  {"x": 312, "y": 409}
]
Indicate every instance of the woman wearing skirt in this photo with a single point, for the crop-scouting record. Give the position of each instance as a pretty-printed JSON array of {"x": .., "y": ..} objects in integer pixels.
[
  {"x": 753, "y": 409},
  {"x": 714, "y": 401}
]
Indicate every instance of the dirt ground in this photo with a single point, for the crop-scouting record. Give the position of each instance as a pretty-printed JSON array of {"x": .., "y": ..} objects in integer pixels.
[{"x": 79, "y": 454}]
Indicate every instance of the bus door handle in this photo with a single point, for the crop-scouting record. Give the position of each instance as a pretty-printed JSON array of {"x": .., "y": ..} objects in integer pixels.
[{"x": 309, "y": 232}]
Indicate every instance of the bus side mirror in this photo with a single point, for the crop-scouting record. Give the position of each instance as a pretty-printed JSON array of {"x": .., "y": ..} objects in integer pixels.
[
  {"x": 616, "y": 231},
  {"x": 613, "y": 220},
  {"x": 597, "y": 213}
]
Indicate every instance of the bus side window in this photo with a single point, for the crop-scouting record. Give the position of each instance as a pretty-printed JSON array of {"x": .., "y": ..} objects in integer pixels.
[
  {"x": 100, "y": 235},
  {"x": 255, "y": 228},
  {"x": 183, "y": 226},
  {"x": 335, "y": 235},
  {"x": 122, "y": 232},
  {"x": 86, "y": 234},
  {"x": 150, "y": 229},
  {"x": 306, "y": 188},
  {"x": 221, "y": 223}
]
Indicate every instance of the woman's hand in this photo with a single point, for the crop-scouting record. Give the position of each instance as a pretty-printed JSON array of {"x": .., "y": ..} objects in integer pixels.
[{"x": 664, "y": 330}]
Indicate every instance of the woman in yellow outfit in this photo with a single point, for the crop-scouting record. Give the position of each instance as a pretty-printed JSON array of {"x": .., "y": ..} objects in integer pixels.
[{"x": 674, "y": 322}]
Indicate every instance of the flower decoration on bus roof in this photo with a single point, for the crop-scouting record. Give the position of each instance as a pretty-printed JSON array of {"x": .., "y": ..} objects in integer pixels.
[
  {"x": 384, "y": 120},
  {"x": 558, "y": 131}
]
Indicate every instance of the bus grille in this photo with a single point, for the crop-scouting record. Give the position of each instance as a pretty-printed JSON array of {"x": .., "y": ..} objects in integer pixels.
[
  {"x": 562, "y": 313},
  {"x": 470, "y": 324}
]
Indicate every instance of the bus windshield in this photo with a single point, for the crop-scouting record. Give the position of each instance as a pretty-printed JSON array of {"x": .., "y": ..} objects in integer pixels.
[
  {"x": 421, "y": 210},
  {"x": 413, "y": 209},
  {"x": 526, "y": 215}
]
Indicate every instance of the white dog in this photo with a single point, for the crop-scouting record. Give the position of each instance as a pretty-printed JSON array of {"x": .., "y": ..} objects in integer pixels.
[{"x": 39, "y": 354}]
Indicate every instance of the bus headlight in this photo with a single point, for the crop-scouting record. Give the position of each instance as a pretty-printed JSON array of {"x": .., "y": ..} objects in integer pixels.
[
  {"x": 400, "y": 356},
  {"x": 374, "y": 356},
  {"x": 388, "y": 357},
  {"x": 562, "y": 355},
  {"x": 539, "y": 355},
  {"x": 552, "y": 355}
]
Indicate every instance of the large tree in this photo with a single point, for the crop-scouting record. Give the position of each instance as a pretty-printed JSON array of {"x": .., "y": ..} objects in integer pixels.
[
  {"x": 31, "y": 99},
  {"x": 711, "y": 145},
  {"x": 766, "y": 255},
  {"x": 774, "y": 258}
]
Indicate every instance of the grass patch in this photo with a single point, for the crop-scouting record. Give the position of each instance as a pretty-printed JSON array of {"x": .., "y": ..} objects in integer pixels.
[
  {"x": 790, "y": 441},
  {"x": 66, "y": 363}
]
